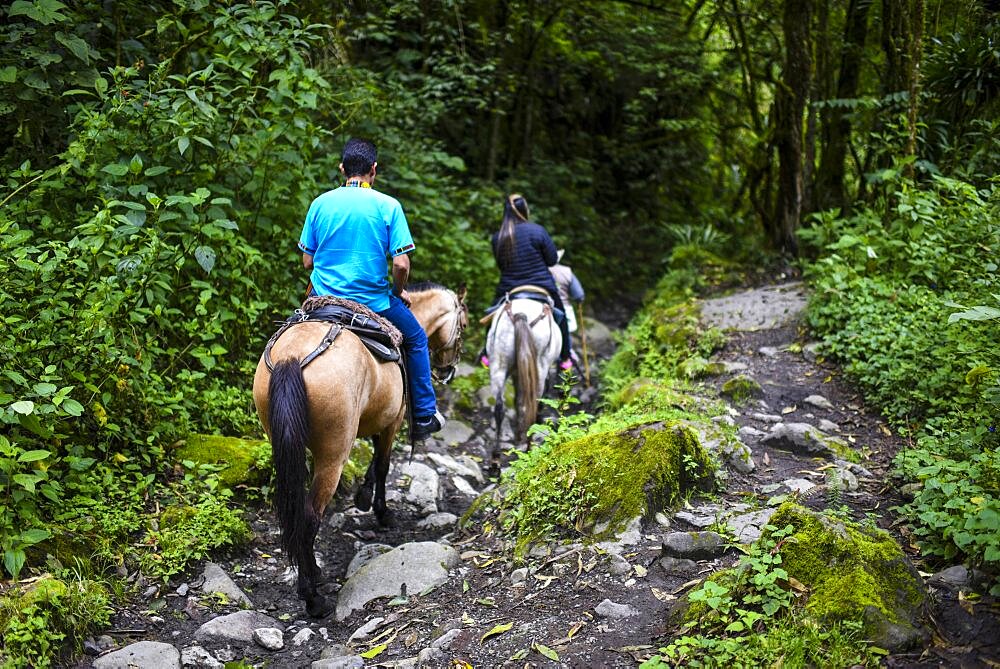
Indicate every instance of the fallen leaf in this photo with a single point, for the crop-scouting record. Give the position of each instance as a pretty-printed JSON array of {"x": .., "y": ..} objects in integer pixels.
[
  {"x": 468, "y": 555},
  {"x": 790, "y": 409},
  {"x": 767, "y": 459},
  {"x": 640, "y": 571},
  {"x": 520, "y": 655},
  {"x": 497, "y": 629},
  {"x": 486, "y": 601},
  {"x": 548, "y": 579},
  {"x": 467, "y": 619},
  {"x": 546, "y": 651},
  {"x": 460, "y": 664},
  {"x": 465, "y": 585},
  {"x": 662, "y": 595},
  {"x": 796, "y": 584},
  {"x": 369, "y": 654},
  {"x": 687, "y": 585},
  {"x": 828, "y": 378},
  {"x": 574, "y": 629},
  {"x": 411, "y": 639},
  {"x": 886, "y": 431}
]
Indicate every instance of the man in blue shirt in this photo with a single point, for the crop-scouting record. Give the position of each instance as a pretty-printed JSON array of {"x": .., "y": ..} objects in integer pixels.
[{"x": 348, "y": 235}]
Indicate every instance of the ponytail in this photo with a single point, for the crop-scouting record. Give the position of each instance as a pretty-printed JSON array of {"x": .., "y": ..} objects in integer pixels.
[{"x": 515, "y": 210}]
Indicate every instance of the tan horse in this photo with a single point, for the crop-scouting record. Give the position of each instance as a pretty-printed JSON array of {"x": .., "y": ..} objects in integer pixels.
[{"x": 342, "y": 394}]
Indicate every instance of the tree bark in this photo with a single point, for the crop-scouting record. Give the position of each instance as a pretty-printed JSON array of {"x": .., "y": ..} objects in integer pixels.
[{"x": 789, "y": 104}]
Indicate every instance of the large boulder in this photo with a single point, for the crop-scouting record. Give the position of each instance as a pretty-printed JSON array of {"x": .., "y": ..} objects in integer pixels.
[
  {"x": 854, "y": 573},
  {"x": 602, "y": 481}
]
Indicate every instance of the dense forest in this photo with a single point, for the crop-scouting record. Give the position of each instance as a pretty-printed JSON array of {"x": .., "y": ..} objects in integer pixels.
[{"x": 161, "y": 155}]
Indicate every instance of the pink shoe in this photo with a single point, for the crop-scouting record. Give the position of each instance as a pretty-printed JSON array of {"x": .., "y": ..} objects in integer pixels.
[
  {"x": 566, "y": 365},
  {"x": 484, "y": 361}
]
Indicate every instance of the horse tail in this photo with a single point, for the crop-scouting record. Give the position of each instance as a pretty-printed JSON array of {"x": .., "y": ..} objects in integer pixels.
[
  {"x": 526, "y": 380},
  {"x": 288, "y": 416}
]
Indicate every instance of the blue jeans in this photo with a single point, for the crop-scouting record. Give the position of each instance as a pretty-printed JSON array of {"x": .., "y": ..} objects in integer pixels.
[{"x": 418, "y": 361}]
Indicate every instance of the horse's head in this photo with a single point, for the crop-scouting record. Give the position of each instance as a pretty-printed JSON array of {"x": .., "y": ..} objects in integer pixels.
[{"x": 444, "y": 317}]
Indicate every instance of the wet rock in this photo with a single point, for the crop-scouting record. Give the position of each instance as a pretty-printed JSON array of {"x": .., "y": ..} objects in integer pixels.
[
  {"x": 141, "y": 655},
  {"x": 953, "y": 577},
  {"x": 462, "y": 465},
  {"x": 812, "y": 350},
  {"x": 758, "y": 309},
  {"x": 431, "y": 657},
  {"x": 768, "y": 351},
  {"x": 615, "y": 611},
  {"x": 693, "y": 545},
  {"x": 424, "y": 488},
  {"x": 842, "y": 479},
  {"x": 302, "y": 636},
  {"x": 661, "y": 519},
  {"x": 741, "y": 388},
  {"x": 747, "y": 527},
  {"x": 270, "y": 638},
  {"x": 463, "y": 486},
  {"x": 218, "y": 581},
  {"x": 827, "y": 425},
  {"x": 698, "y": 520},
  {"x": 196, "y": 656},
  {"x": 237, "y": 626},
  {"x": 415, "y": 566},
  {"x": 519, "y": 576},
  {"x": 182, "y": 590},
  {"x": 365, "y": 630},
  {"x": 802, "y": 439},
  {"x": 673, "y": 565},
  {"x": 630, "y": 536},
  {"x": 366, "y": 554},
  {"x": 819, "y": 402},
  {"x": 438, "y": 520}
]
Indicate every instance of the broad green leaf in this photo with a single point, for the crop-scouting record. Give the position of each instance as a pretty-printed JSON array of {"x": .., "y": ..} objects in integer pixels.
[
  {"x": 8, "y": 75},
  {"x": 157, "y": 170},
  {"x": 117, "y": 169},
  {"x": 33, "y": 536},
  {"x": 13, "y": 560},
  {"x": 72, "y": 407},
  {"x": 135, "y": 165},
  {"x": 76, "y": 46},
  {"x": 44, "y": 389},
  {"x": 497, "y": 629},
  {"x": 45, "y": 12},
  {"x": 27, "y": 481},
  {"x": 24, "y": 407},
  {"x": 33, "y": 456},
  {"x": 182, "y": 144},
  {"x": 205, "y": 257}
]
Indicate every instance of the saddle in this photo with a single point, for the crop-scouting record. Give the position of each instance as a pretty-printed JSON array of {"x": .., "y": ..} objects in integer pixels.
[
  {"x": 526, "y": 292},
  {"x": 378, "y": 335}
]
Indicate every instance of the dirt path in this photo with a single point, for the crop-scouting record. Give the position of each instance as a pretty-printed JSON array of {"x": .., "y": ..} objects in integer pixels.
[{"x": 587, "y": 606}]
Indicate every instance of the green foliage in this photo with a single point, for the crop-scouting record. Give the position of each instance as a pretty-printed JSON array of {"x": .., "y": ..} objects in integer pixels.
[
  {"x": 885, "y": 295},
  {"x": 38, "y": 620}
]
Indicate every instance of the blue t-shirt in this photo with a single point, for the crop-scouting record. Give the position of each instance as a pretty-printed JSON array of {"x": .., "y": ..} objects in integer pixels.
[{"x": 350, "y": 232}]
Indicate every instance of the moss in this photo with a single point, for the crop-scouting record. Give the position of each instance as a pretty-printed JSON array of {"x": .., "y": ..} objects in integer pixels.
[
  {"x": 852, "y": 573},
  {"x": 356, "y": 466},
  {"x": 240, "y": 458},
  {"x": 607, "y": 478},
  {"x": 741, "y": 388},
  {"x": 38, "y": 620}
]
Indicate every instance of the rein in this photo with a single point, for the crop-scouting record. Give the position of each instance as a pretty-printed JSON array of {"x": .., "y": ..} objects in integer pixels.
[{"x": 454, "y": 342}]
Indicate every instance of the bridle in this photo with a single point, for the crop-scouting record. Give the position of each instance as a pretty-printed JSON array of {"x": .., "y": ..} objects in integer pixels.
[{"x": 445, "y": 372}]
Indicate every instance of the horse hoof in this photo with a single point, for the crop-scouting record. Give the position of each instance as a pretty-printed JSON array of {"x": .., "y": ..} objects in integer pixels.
[
  {"x": 320, "y": 607},
  {"x": 386, "y": 518},
  {"x": 363, "y": 499}
]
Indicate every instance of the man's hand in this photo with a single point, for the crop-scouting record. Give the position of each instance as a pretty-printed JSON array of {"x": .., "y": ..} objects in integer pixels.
[{"x": 405, "y": 297}]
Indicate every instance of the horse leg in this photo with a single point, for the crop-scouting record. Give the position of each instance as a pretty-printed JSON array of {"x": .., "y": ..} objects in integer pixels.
[
  {"x": 363, "y": 497},
  {"x": 498, "y": 379},
  {"x": 328, "y": 464},
  {"x": 382, "y": 443}
]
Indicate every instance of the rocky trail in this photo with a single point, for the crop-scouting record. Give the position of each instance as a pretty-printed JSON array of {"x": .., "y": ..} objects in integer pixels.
[{"x": 427, "y": 593}]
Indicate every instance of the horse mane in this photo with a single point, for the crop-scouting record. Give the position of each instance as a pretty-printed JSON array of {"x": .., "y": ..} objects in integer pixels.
[{"x": 423, "y": 286}]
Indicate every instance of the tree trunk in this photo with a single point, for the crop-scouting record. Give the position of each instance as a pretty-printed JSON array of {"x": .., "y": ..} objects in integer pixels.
[
  {"x": 831, "y": 191},
  {"x": 913, "y": 84},
  {"x": 789, "y": 104}
]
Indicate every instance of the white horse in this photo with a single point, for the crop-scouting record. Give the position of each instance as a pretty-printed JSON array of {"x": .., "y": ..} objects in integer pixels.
[{"x": 523, "y": 342}]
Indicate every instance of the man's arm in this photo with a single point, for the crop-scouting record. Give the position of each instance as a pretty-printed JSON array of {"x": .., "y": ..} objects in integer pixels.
[
  {"x": 307, "y": 261},
  {"x": 575, "y": 289},
  {"x": 400, "y": 275}
]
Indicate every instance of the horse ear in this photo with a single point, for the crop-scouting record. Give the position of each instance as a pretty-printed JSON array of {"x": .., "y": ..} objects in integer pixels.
[{"x": 461, "y": 293}]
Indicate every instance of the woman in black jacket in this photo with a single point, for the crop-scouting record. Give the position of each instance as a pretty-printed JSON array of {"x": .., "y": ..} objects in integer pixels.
[{"x": 524, "y": 252}]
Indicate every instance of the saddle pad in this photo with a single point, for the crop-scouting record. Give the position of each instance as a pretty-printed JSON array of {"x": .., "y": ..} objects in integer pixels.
[{"x": 374, "y": 321}]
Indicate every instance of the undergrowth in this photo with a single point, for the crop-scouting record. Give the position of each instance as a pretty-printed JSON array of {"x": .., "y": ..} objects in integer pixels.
[{"x": 905, "y": 295}]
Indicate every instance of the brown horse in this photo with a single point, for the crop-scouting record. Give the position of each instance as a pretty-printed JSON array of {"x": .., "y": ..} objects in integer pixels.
[{"x": 342, "y": 394}]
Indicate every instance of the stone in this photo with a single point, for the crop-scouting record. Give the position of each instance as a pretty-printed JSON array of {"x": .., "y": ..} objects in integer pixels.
[
  {"x": 619, "y": 566},
  {"x": 827, "y": 425},
  {"x": 464, "y": 486},
  {"x": 415, "y": 566},
  {"x": 302, "y": 636},
  {"x": 424, "y": 488},
  {"x": 347, "y": 662},
  {"x": 141, "y": 655},
  {"x": 237, "y": 626},
  {"x": 693, "y": 545},
  {"x": 747, "y": 527},
  {"x": 803, "y": 439},
  {"x": 842, "y": 479},
  {"x": 747, "y": 432},
  {"x": 610, "y": 609},
  {"x": 218, "y": 581},
  {"x": 454, "y": 432},
  {"x": 697, "y": 520},
  {"x": 673, "y": 565},
  {"x": 431, "y": 657},
  {"x": 196, "y": 656},
  {"x": 366, "y": 554},
  {"x": 445, "y": 640},
  {"x": 336, "y": 650},
  {"x": 462, "y": 465},
  {"x": 519, "y": 576},
  {"x": 741, "y": 388},
  {"x": 819, "y": 402},
  {"x": 270, "y": 638},
  {"x": 953, "y": 577},
  {"x": 798, "y": 485},
  {"x": 766, "y": 417},
  {"x": 438, "y": 520},
  {"x": 812, "y": 350},
  {"x": 365, "y": 631},
  {"x": 661, "y": 519},
  {"x": 756, "y": 309},
  {"x": 768, "y": 351}
]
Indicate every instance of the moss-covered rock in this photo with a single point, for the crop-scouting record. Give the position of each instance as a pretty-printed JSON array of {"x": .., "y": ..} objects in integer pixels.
[
  {"x": 606, "y": 478},
  {"x": 244, "y": 461},
  {"x": 853, "y": 573},
  {"x": 741, "y": 388}
]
